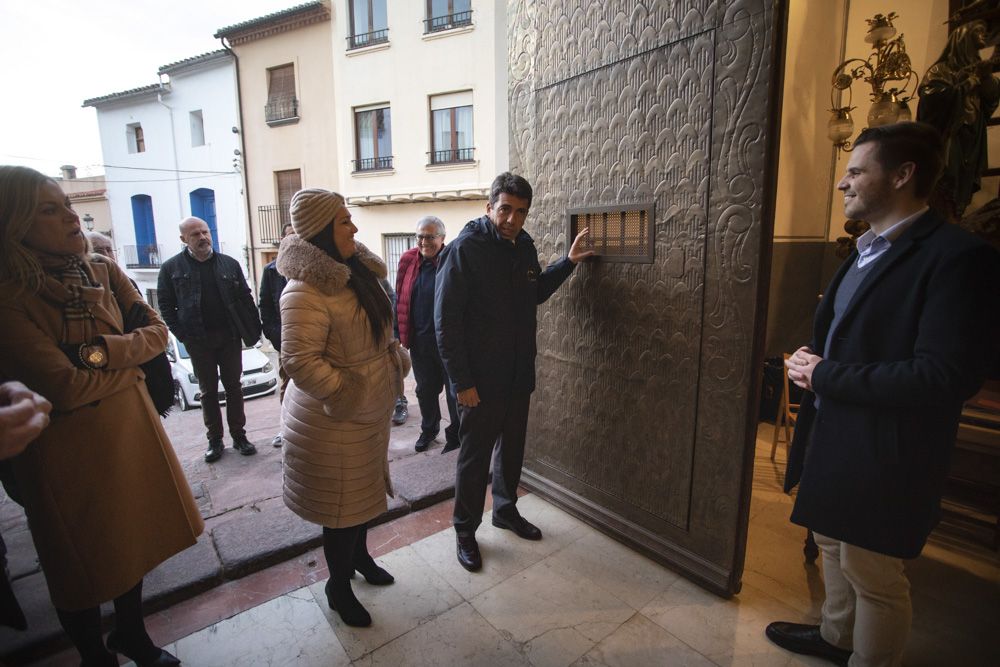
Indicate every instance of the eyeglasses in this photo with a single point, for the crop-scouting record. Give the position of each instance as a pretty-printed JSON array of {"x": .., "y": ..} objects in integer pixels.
[{"x": 427, "y": 237}]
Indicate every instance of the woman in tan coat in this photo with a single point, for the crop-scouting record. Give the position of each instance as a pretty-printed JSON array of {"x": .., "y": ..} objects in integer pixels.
[
  {"x": 105, "y": 496},
  {"x": 346, "y": 371}
]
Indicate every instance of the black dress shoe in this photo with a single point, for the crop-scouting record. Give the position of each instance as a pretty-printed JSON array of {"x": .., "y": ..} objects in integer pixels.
[
  {"x": 468, "y": 552},
  {"x": 214, "y": 452},
  {"x": 243, "y": 446},
  {"x": 424, "y": 441},
  {"x": 147, "y": 655},
  {"x": 519, "y": 525},
  {"x": 340, "y": 597},
  {"x": 806, "y": 640},
  {"x": 451, "y": 442}
]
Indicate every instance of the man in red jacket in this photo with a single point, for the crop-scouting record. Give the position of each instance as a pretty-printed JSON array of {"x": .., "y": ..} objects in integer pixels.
[{"x": 415, "y": 331}]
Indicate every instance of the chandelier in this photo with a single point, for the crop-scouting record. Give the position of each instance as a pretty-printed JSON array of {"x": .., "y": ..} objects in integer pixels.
[{"x": 887, "y": 64}]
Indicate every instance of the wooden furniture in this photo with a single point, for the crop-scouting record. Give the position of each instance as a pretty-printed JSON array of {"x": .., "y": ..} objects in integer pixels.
[
  {"x": 787, "y": 413},
  {"x": 973, "y": 488}
]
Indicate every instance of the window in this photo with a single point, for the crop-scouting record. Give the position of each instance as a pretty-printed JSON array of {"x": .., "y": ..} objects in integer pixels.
[
  {"x": 282, "y": 106},
  {"x": 203, "y": 206},
  {"x": 447, "y": 14},
  {"x": 393, "y": 247},
  {"x": 272, "y": 218},
  {"x": 135, "y": 138},
  {"x": 145, "y": 253},
  {"x": 197, "y": 128},
  {"x": 369, "y": 23},
  {"x": 451, "y": 128},
  {"x": 372, "y": 127}
]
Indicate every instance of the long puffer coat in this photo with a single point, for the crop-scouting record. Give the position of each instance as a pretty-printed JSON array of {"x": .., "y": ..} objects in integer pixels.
[{"x": 335, "y": 416}]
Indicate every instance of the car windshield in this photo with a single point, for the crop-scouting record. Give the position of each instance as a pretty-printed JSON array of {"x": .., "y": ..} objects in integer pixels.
[{"x": 181, "y": 350}]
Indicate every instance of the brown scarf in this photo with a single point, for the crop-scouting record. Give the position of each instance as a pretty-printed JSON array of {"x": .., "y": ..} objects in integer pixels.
[{"x": 69, "y": 281}]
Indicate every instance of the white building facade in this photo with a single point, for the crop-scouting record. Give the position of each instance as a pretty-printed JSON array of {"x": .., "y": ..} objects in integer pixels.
[{"x": 171, "y": 150}]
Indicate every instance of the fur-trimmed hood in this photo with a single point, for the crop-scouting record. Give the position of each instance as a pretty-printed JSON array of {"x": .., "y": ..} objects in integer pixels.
[{"x": 300, "y": 260}]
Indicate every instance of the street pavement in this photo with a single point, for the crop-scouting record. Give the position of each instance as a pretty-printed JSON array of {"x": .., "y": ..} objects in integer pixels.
[{"x": 247, "y": 526}]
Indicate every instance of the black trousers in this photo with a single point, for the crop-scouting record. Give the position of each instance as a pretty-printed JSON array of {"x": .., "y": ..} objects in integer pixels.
[
  {"x": 497, "y": 424},
  {"x": 431, "y": 379},
  {"x": 219, "y": 355}
]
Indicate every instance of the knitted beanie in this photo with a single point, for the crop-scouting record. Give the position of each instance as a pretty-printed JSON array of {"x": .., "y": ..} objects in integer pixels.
[{"x": 312, "y": 210}]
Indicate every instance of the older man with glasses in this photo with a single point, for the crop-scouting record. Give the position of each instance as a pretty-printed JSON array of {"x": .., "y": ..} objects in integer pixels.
[{"x": 415, "y": 330}]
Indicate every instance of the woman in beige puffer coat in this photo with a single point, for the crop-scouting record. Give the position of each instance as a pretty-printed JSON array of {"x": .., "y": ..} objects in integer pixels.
[{"x": 346, "y": 371}]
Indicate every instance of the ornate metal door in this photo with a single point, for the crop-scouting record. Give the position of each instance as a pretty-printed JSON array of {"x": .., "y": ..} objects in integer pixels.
[{"x": 644, "y": 419}]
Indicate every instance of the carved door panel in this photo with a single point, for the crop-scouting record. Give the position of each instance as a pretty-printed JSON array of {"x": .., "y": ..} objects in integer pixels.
[{"x": 644, "y": 418}]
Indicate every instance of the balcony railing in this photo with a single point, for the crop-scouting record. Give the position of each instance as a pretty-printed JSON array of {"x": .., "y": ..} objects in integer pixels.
[
  {"x": 143, "y": 256},
  {"x": 372, "y": 163},
  {"x": 281, "y": 110},
  {"x": 368, "y": 39},
  {"x": 270, "y": 220},
  {"x": 451, "y": 156},
  {"x": 447, "y": 22}
]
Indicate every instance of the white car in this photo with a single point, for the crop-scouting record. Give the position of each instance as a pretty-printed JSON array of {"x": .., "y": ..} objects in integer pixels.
[{"x": 259, "y": 375}]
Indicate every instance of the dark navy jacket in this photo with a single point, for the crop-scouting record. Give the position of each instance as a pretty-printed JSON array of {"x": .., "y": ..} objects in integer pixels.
[
  {"x": 178, "y": 291},
  {"x": 272, "y": 284},
  {"x": 485, "y": 302},
  {"x": 915, "y": 342}
]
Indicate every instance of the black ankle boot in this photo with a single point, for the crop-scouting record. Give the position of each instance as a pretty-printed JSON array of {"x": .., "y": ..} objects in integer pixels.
[
  {"x": 143, "y": 652},
  {"x": 340, "y": 597},
  {"x": 373, "y": 574}
]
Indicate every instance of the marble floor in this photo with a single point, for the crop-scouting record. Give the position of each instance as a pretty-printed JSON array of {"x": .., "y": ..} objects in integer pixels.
[{"x": 574, "y": 598}]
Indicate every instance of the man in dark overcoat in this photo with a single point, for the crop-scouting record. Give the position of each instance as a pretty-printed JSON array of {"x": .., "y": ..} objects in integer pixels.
[
  {"x": 903, "y": 336},
  {"x": 486, "y": 295}
]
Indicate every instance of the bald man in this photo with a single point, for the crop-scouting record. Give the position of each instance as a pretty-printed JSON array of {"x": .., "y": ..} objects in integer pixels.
[{"x": 206, "y": 302}]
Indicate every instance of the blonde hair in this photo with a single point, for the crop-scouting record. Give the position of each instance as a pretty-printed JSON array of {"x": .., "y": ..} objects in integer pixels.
[{"x": 20, "y": 270}]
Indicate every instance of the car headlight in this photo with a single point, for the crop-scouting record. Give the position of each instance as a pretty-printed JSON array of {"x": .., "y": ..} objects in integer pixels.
[
  {"x": 267, "y": 368},
  {"x": 192, "y": 378}
]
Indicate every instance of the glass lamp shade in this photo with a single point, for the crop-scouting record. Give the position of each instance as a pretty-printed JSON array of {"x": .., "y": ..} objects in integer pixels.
[
  {"x": 840, "y": 126},
  {"x": 904, "y": 115},
  {"x": 883, "y": 112},
  {"x": 880, "y": 33}
]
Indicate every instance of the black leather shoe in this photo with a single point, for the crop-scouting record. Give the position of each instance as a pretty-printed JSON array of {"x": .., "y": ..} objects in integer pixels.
[
  {"x": 805, "y": 639},
  {"x": 424, "y": 441},
  {"x": 468, "y": 552},
  {"x": 214, "y": 452},
  {"x": 400, "y": 413},
  {"x": 519, "y": 525},
  {"x": 451, "y": 442},
  {"x": 341, "y": 599},
  {"x": 147, "y": 655},
  {"x": 243, "y": 446}
]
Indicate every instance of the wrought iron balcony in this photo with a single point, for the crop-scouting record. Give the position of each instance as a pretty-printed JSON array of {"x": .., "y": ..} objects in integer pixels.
[
  {"x": 281, "y": 110},
  {"x": 447, "y": 22},
  {"x": 368, "y": 39},
  {"x": 372, "y": 163},
  {"x": 270, "y": 221},
  {"x": 143, "y": 256},
  {"x": 451, "y": 156}
]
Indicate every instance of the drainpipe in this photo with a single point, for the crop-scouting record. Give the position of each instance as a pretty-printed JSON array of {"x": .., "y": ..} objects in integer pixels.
[
  {"x": 251, "y": 248},
  {"x": 173, "y": 147}
]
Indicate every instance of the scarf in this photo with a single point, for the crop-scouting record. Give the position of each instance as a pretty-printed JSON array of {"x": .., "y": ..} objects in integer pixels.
[{"x": 69, "y": 282}]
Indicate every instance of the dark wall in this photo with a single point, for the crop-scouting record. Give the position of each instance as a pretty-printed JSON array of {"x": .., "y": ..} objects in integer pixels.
[
  {"x": 799, "y": 274},
  {"x": 641, "y": 422}
]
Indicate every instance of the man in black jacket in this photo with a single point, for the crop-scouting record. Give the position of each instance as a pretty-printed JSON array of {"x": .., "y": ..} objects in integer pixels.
[
  {"x": 487, "y": 290},
  {"x": 903, "y": 336},
  {"x": 206, "y": 302},
  {"x": 272, "y": 284}
]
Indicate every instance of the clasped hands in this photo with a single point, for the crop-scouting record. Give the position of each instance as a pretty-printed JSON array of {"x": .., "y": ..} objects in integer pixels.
[{"x": 801, "y": 366}]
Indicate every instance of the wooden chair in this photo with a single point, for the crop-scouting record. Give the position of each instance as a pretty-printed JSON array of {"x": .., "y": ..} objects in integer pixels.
[{"x": 787, "y": 413}]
